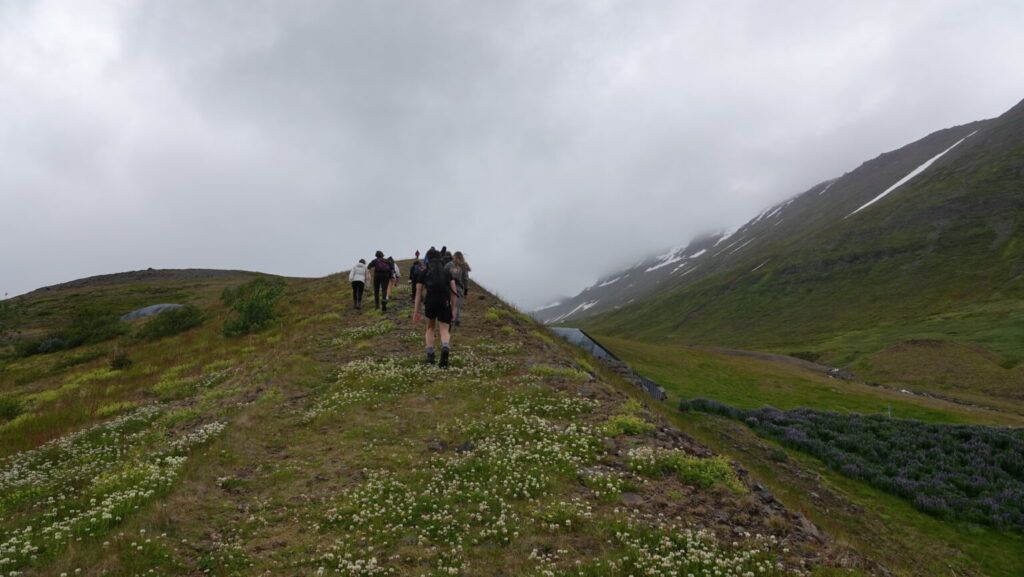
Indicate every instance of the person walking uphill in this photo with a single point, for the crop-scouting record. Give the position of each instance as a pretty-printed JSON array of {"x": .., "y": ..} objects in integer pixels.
[
  {"x": 434, "y": 289},
  {"x": 414, "y": 271},
  {"x": 381, "y": 269},
  {"x": 358, "y": 279},
  {"x": 458, "y": 269}
]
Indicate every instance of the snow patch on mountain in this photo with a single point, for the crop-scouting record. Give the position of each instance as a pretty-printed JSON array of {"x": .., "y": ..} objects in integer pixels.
[
  {"x": 725, "y": 236},
  {"x": 548, "y": 306},
  {"x": 908, "y": 177},
  {"x": 580, "y": 308}
]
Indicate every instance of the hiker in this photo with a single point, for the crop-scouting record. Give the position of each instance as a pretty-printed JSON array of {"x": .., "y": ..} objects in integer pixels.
[
  {"x": 357, "y": 276},
  {"x": 414, "y": 271},
  {"x": 446, "y": 257},
  {"x": 381, "y": 269},
  {"x": 395, "y": 274},
  {"x": 434, "y": 288},
  {"x": 458, "y": 269}
]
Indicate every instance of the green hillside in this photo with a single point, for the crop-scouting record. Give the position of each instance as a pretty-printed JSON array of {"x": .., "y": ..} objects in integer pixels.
[
  {"x": 318, "y": 443},
  {"x": 940, "y": 259}
]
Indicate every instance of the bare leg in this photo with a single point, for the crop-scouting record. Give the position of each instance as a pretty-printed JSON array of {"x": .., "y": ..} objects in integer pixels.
[
  {"x": 429, "y": 337},
  {"x": 445, "y": 335}
]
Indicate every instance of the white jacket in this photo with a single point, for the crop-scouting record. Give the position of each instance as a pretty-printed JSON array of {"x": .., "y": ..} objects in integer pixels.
[{"x": 358, "y": 273}]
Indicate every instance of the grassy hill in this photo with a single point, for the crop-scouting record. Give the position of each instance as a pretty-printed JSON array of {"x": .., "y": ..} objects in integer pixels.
[
  {"x": 321, "y": 444},
  {"x": 941, "y": 259}
]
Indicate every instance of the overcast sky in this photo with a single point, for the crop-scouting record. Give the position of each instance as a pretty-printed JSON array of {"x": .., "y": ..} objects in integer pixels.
[{"x": 551, "y": 142}]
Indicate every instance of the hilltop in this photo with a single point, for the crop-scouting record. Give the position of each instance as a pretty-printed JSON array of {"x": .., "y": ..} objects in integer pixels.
[{"x": 323, "y": 445}]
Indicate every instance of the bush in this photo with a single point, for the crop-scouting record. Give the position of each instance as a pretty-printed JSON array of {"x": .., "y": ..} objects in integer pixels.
[
  {"x": 88, "y": 325},
  {"x": 10, "y": 407},
  {"x": 626, "y": 425},
  {"x": 253, "y": 304},
  {"x": 120, "y": 362},
  {"x": 706, "y": 473},
  {"x": 171, "y": 322},
  {"x": 967, "y": 473}
]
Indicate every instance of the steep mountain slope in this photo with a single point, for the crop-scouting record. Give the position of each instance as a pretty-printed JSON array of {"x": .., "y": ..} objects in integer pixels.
[
  {"x": 927, "y": 240},
  {"x": 323, "y": 445}
]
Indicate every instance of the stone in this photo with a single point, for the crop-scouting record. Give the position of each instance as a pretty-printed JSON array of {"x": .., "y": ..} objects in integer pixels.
[{"x": 632, "y": 499}]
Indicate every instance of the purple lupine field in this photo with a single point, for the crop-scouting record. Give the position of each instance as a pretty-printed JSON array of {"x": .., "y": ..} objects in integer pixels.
[{"x": 959, "y": 472}]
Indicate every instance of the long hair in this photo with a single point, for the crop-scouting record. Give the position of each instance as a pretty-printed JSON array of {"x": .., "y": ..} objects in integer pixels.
[{"x": 460, "y": 260}]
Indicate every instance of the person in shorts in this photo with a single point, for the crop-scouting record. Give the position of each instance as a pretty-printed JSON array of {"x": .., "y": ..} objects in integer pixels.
[{"x": 434, "y": 290}]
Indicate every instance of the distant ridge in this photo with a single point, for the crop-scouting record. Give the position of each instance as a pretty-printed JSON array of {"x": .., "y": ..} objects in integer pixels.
[
  {"x": 145, "y": 275},
  {"x": 858, "y": 197}
]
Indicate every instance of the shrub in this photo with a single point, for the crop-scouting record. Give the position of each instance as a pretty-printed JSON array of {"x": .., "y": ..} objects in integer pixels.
[
  {"x": 550, "y": 371},
  {"x": 253, "y": 304},
  {"x": 10, "y": 407},
  {"x": 705, "y": 473},
  {"x": 627, "y": 425},
  {"x": 88, "y": 325},
  {"x": 171, "y": 322},
  {"x": 120, "y": 362},
  {"x": 961, "y": 472}
]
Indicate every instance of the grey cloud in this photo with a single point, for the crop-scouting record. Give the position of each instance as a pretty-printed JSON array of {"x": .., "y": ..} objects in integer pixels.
[{"x": 552, "y": 142}]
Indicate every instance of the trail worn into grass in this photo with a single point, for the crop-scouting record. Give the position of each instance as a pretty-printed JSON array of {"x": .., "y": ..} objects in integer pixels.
[{"x": 345, "y": 454}]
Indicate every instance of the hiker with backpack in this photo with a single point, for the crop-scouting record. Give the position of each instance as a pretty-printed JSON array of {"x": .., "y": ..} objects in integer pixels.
[
  {"x": 458, "y": 269},
  {"x": 358, "y": 276},
  {"x": 395, "y": 275},
  {"x": 434, "y": 289},
  {"x": 381, "y": 269},
  {"x": 414, "y": 271}
]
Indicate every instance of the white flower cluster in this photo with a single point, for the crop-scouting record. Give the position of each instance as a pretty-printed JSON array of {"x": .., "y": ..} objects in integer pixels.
[
  {"x": 684, "y": 553},
  {"x": 563, "y": 515},
  {"x": 335, "y": 401},
  {"x": 196, "y": 437},
  {"x": 465, "y": 498},
  {"x": 34, "y": 474},
  {"x": 383, "y": 375},
  {"x": 348, "y": 336},
  {"x": 603, "y": 483},
  {"x": 544, "y": 402},
  {"x": 113, "y": 497},
  {"x": 82, "y": 485}
]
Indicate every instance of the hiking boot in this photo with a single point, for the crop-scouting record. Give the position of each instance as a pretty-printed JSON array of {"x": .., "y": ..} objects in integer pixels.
[
  {"x": 444, "y": 359},
  {"x": 430, "y": 358}
]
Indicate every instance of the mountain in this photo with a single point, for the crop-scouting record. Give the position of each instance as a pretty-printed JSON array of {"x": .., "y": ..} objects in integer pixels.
[{"x": 926, "y": 241}]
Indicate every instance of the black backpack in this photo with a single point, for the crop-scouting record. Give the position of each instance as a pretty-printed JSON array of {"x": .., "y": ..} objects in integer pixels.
[
  {"x": 383, "y": 266},
  {"x": 436, "y": 278},
  {"x": 415, "y": 270}
]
